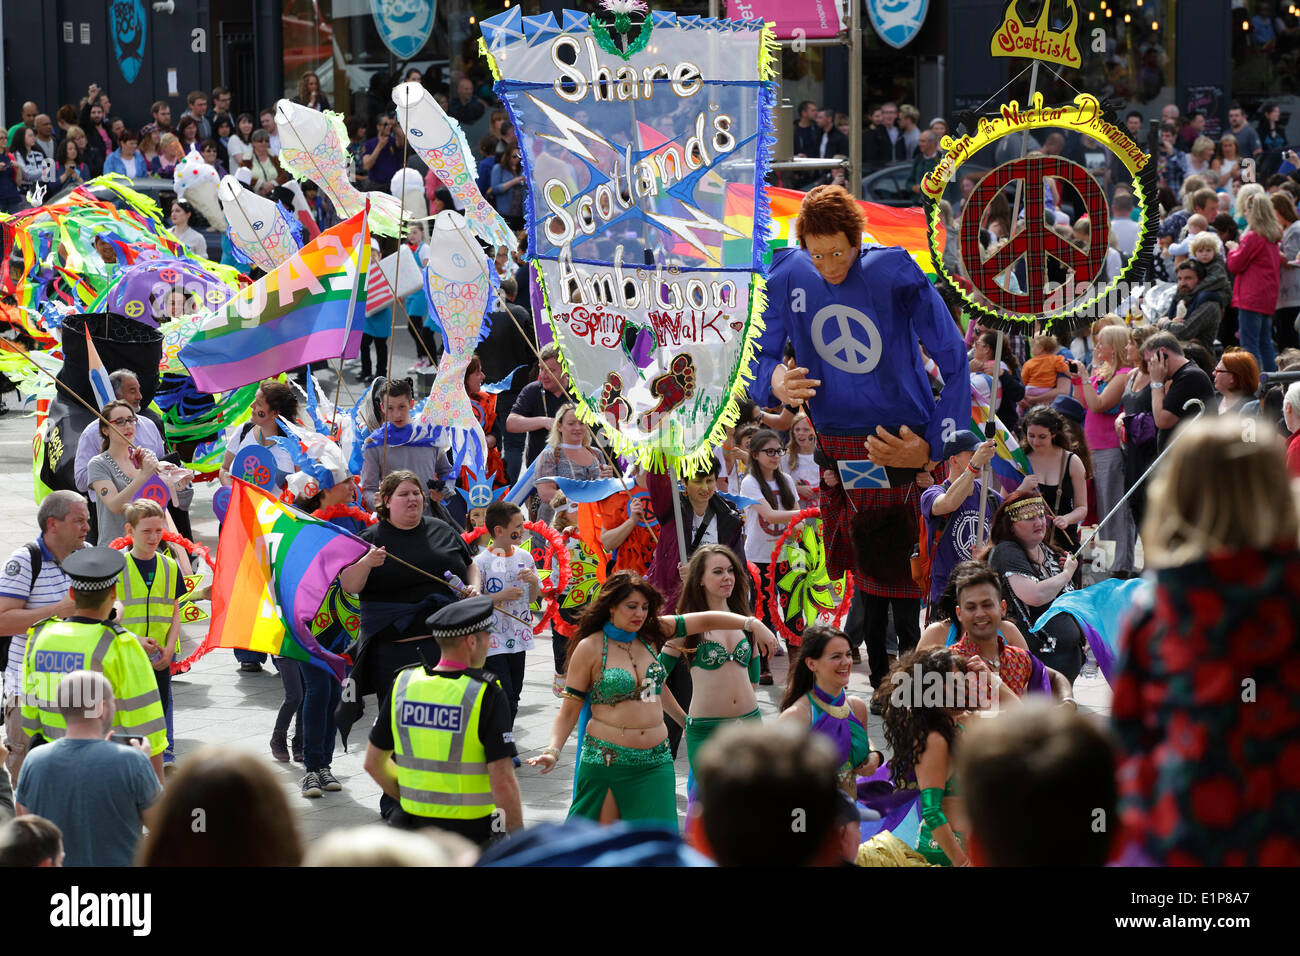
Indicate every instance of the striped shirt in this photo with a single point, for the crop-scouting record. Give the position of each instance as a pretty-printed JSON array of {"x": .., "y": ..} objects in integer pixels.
[{"x": 16, "y": 582}]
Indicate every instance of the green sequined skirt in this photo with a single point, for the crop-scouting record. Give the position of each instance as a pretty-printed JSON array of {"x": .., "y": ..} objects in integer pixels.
[
  {"x": 642, "y": 782},
  {"x": 700, "y": 729}
]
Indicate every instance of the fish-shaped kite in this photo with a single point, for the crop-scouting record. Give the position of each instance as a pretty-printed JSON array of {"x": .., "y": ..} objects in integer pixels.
[
  {"x": 460, "y": 286},
  {"x": 441, "y": 143},
  {"x": 313, "y": 146},
  {"x": 260, "y": 229}
]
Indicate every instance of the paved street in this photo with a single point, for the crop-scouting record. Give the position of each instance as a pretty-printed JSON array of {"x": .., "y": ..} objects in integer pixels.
[{"x": 215, "y": 704}]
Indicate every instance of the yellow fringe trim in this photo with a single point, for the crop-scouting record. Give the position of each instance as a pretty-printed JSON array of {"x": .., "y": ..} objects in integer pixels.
[
  {"x": 769, "y": 52},
  {"x": 654, "y": 457},
  {"x": 492, "y": 61}
]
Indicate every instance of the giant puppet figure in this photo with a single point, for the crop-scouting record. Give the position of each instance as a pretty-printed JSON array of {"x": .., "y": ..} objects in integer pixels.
[{"x": 858, "y": 318}]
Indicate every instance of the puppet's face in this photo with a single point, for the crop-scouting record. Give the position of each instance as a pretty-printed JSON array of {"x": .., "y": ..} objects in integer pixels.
[{"x": 832, "y": 255}]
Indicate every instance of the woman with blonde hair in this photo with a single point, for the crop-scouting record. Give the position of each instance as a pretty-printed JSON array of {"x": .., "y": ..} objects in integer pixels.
[
  {"x": 1244, "y": 196},
  {"x": 1206, "y": 774},
  {"x": 1103, "y": 393},
  {"x": 1200, "y": 158},
  {"x": 1227, "y": 167},
  {"x": 1256, "y": 265},
  {"x": 569, "y": 453}
]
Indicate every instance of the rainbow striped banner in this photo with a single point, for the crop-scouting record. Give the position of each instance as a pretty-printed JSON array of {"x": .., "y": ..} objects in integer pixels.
[
  {"x": 886, "y": 225},
  {"x": 1009, "y": 464},
  {"x": 311, "y": 307},
  {"x": 274, "y": 565}
]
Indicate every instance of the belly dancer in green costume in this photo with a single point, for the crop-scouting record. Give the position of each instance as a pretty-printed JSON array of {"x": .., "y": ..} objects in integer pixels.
[
  {"x": 724, "y": 664},
  {"x": 624, "y": 768}
]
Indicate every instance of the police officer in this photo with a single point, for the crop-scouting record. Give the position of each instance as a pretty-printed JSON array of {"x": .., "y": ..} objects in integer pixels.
[
  {"x": 442, "y": 745},
  {"x": 88, "y": 640}
]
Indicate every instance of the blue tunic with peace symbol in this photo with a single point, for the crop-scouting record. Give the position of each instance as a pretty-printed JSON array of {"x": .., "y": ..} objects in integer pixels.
[{"x": 860, "y": 338}]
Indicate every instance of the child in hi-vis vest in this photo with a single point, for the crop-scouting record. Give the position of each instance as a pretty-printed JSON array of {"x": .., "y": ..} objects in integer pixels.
[{"x": 149, "y": 591}]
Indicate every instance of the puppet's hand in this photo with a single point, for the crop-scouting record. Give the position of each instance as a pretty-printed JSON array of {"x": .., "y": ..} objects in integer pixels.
[
  {"x": 792, "y": 385},
  {"x": 907, "y": 450}
]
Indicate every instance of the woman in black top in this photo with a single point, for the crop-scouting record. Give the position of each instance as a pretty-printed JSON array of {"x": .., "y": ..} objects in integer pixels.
[
  {"x": 1034, "y": 574},
  {"x": 1136, "y": 424},
  {"x": 1010, "y": 388},
  {"x": 397, "y": 600}
]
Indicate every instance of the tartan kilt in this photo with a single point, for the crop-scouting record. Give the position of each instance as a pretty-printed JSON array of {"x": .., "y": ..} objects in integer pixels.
[{"x": 888, "y": 572}]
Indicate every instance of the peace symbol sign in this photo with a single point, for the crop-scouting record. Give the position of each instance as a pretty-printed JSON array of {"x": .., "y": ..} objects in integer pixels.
[
  {"x": 155, "y": 489},
  {"x": 851, "y": 343},
  {"x": 168, "y": 275},
  {"x": 134, "y": 308},
  {"x": 1033, "y": 240},
  {"x": 480, "y": 496},
  {"x": 256, "y": 465},
  {"x": 216, "y": 295},
  {"x": 191, "y": 613},
  {"x": 493, "y": 585}
]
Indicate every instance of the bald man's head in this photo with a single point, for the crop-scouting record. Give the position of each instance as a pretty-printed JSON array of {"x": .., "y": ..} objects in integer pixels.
[
  {"x": 30, "y": 110},
  {"x": 86, "y": 697},
  {"x": 44, "y": 126}
]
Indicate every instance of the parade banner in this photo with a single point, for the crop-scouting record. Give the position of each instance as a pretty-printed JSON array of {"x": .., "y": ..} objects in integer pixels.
[
  {"x": 310, "y": 308},
  {"x": 635, "y": 127}
]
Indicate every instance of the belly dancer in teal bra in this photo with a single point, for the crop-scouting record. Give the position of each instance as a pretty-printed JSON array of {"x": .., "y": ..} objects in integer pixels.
[
  {"x": 624, "y": 768},
  {"x": 724, "y": 664}
]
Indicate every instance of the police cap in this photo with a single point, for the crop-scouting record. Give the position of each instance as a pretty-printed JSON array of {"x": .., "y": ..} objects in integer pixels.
[
  {"x": 462, "y": 618},
  {"x": 94, "y": 569}
]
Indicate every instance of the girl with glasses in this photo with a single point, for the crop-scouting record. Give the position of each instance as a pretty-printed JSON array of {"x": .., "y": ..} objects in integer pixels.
[{"x": 120, "y": 470}]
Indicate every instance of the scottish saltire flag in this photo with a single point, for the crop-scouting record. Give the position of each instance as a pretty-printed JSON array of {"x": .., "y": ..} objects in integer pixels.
[
  {"x": 311, "y": 307},
  {"x": 1101, "y": 610},
  {"x": 1009, "y": 464},
  {"x": 274, "y": 565},
  {"x": 859, "y": 475},
  {"x": 99, "y": 382}
]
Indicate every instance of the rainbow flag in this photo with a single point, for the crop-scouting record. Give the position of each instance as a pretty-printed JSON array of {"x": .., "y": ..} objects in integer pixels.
[
  {"x": 1009, "y": 464},
  {"x": 886, "y": 225},
  {"x": 274, "y": 565},
  {"x": 311, "y": 307}
]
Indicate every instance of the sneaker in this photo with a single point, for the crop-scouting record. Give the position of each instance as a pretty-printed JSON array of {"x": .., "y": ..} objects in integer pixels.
[
  {"x": 780, "y": 651},
  {"x": 311, "y": 785},
  {"x": 296, "y": 747},
  {"x": 250, "y": 667},
  {"x": 557, "y": 685},
  {"x": 279, "y": 750},
  {"x": 328, "y": 781}
]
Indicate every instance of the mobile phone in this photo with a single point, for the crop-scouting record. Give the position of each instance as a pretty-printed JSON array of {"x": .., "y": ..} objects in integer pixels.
[{"x": 126, "y": 740}]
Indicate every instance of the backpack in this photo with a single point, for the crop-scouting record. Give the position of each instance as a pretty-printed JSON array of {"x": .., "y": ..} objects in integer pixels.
[
  {"x": 923, "y": 556},
  {"x": 34, "y": 550}
]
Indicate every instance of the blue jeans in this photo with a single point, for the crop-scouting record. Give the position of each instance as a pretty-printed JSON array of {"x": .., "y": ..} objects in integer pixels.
[
  {"x": 291, "y": 706},
  {"x": 249, "y": 657},
  {"x": 320, "y": 697},
  {"x": 164, "y": 679},
  {"x": 1256, "y": 331}
]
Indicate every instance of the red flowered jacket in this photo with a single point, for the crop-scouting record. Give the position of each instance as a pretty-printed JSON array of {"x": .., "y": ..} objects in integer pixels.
[{"x": 1207, "y": 710}]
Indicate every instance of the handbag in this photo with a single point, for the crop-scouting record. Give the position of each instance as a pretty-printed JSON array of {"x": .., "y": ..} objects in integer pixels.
[{"x": 1139, "y": 428}]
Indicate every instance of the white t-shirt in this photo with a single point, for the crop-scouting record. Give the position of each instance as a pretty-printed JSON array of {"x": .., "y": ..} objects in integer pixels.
[
  {"x": 758, "y": 543},
  {"x": 238, "y": 151},
  {"x": 498, "y": 573},
  {"x": 193, "y": 240},
  {"x": 16, "y": 582},
  {"x": 806, "y": 470},
  {"x": 282, "y": 459}
]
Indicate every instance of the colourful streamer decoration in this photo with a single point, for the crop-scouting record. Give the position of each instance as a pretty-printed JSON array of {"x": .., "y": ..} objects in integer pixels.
[{"x": 801, "y": 592}]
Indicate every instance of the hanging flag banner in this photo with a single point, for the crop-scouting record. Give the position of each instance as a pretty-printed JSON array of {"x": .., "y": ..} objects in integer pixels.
[
  {"x": 403, "y": 25},
  {"x": 635, "y": 126},
  {"x": 793, "y": 18}
]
